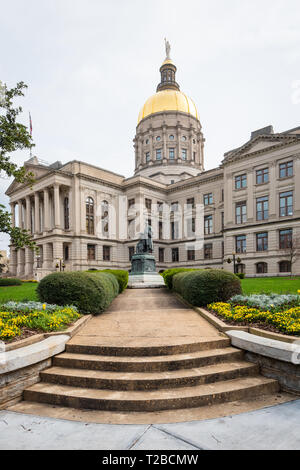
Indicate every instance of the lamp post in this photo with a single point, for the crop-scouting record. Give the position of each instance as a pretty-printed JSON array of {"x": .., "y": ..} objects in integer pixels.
[
  {"x": 234, "y": 260},
  {"x": 60, "y": 265}
]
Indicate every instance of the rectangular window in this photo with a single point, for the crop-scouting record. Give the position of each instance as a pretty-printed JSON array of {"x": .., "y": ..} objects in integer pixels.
[
  {"x": 183, "y": 154},
  {"x": 222, "y": 220},
  {"x": 262, "y": 176},
  {"x": 208, "y": 199},
  {"x": 131, "y": 203},
  {"x": 66, "y": 252},
  {"x": 190, "y": 203},
  {"x": 262, "y": 241},
  {"x": 191, "y": 254},
  {"x": 174, "y": 206},
  {"x": 160, "y": 230},
  {"x": 131, "y": 250},
  {"x": 241, "y": 181},
  {"x": 106, "y": 253},
  {"x": 148, "y": 204},
  {"x": 194, "y": 156},
  {"x": 149, "y": 222},
  {"x": 208, "y": 224},
  {"x": 191, "y": 227},
  {"x": 91, "y": 252},
  {"x": 241, "y": 212},
  {"x": 262, "y": 208},
  {"x": 286, "y": 203},
  {"x": 161, "y": 255},
  {"x": 175, "y": 255},
  {"x": 240, "y": 244},
  {"x": 174, "y": 230},
  {"x": 160, "y": 206},
  {"x": 286, "y": 169},
  {"x": 208, "y": 251},
  {"x": 285, "y": 238},
  {"x": 171, "y": 153},
  {"x": 147, "y": 157},
  {"x": 222, "y": 195},
  {"x": 158, "y": 154}
]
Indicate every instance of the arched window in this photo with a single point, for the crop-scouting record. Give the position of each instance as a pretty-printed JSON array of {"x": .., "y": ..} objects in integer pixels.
[
  {"x": 104, "y": 217},
  {"x": 66, "y": 213},
  {"x": 89, "y": 204},
  {"x": 261, "y": 268},
  {"x": 284, "y": 266}
]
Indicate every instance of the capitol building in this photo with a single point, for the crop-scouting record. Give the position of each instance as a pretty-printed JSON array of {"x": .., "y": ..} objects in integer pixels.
[{"x": 242, "y": 216}]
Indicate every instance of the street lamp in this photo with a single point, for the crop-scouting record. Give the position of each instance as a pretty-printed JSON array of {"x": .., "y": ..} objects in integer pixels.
[
  {"x": 60, "y": 265},
  {"x": 234, "y": 260}
]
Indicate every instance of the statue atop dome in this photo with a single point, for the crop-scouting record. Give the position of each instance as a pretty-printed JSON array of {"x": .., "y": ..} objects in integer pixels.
[{"x": 168, "y": 49}]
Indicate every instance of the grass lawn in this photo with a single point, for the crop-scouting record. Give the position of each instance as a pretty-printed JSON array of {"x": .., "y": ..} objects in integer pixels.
[
  {"x": 279, "y": 285},
  {"x": 19, "y": 293}
]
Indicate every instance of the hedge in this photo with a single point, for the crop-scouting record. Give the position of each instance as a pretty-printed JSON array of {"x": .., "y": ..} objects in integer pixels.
[
  {"x": 121, "y": 276},
  {"x": 169, "y": 273},
  {"x": 89, "y": 292},
  {"x": 10, "y": 281},
  {"x": 203, "y": 287}
]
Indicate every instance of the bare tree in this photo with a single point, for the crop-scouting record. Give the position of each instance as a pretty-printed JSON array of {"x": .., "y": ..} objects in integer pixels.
[{"x": 292, "y": 250}]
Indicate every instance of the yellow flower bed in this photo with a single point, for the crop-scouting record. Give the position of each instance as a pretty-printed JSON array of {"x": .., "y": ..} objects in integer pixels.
[
  {"x": 287, "y": 321},
  {"x": 11, "y": 323}
]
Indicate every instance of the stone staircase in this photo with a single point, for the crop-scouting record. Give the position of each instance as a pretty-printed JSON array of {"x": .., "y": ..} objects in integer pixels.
[
  {"x": 214, "y": 373},
  {"x": 148, "y": 353}
]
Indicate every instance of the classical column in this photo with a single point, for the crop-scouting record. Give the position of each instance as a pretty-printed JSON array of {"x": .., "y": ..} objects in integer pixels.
[
  {"x": 36, "y": 213},
  {"x": 20, "y": 214},
  {"x": 13, "y": 215},
  {"x": 46, "y": 210},
  {"x": 57, "y": 223},
  {"x": 28, "y": 208}
]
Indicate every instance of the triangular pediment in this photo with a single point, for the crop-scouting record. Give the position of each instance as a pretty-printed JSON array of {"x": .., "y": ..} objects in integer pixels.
[
  {"x": 261, "y": 144},
  {"x": 38, "y": 171}
]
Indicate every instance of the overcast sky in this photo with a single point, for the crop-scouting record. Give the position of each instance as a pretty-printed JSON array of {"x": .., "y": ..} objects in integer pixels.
[{"x": 91, "y": 64}]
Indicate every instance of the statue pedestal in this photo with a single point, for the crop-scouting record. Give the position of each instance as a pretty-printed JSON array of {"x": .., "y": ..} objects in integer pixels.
[{"x": 143, "y": 272}]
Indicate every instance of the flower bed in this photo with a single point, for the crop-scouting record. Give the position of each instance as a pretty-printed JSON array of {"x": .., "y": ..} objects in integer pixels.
[
  {"x": 21, "y": 319},
  {"x": 276, "y": 313}
]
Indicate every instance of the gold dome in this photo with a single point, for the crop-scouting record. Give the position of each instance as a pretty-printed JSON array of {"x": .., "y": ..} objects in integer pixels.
[{"x": 168, "y": 100}]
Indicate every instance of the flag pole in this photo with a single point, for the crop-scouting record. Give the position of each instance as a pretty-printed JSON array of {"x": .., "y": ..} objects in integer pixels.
[{"x": 30, "y": 127}]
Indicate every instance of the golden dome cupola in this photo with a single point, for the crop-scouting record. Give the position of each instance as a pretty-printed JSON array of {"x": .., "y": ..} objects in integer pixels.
[{"x": 168, "y": 142}]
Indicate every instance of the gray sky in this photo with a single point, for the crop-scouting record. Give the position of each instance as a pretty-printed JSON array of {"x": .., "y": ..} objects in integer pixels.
[{"x": 91, "y": 64}]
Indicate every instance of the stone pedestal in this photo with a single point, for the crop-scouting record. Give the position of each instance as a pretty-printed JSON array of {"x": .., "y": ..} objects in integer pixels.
[{"x": 143, "y": 272}]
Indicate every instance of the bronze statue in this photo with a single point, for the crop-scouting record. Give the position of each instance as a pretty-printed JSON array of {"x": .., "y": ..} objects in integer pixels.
[{"x": 145, "y": 244}]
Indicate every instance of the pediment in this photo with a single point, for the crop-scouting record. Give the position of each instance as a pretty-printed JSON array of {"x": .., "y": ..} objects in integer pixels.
[
  {"x": 38, "y": 171},
  {"x": 261, "y": 144}
]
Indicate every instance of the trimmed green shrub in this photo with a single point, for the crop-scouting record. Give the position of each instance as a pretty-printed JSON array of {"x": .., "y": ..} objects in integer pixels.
[
  {"x": 240, "y": 275},
  {"x": 121, "y": 276},
  {"x": 89, "y": 292},
  {"x": 10, "y": 281},
  {"x": 203, "y": 287},
  {"x": 169, "y": 273}
]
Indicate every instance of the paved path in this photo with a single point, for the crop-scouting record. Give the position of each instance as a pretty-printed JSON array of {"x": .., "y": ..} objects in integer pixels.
[
  {"x": 277, "y": 427},
  {"x": 145, "y": 317}
]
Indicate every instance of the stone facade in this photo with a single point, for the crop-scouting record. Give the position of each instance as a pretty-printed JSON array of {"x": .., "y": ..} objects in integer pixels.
[{"x": 85, "y": 217}]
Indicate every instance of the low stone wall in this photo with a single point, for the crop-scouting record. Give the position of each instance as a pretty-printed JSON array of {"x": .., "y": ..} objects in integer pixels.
[
  {"x": 22, "y": 361},
  {"x": 20, "y": 368},
  {"x": 276, "y": 359}
]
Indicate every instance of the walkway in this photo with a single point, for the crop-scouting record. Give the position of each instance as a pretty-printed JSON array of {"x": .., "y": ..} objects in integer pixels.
[{"x": 273, "y": 428}]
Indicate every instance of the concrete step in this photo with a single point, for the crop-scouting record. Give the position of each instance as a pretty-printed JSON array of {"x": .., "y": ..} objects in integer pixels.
[
  {"x": 82, "y": 345},
  {"x": 167, "y": 399},
  {"x": 149, "y": 363},
  {"x": 148, "y": 380}
]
